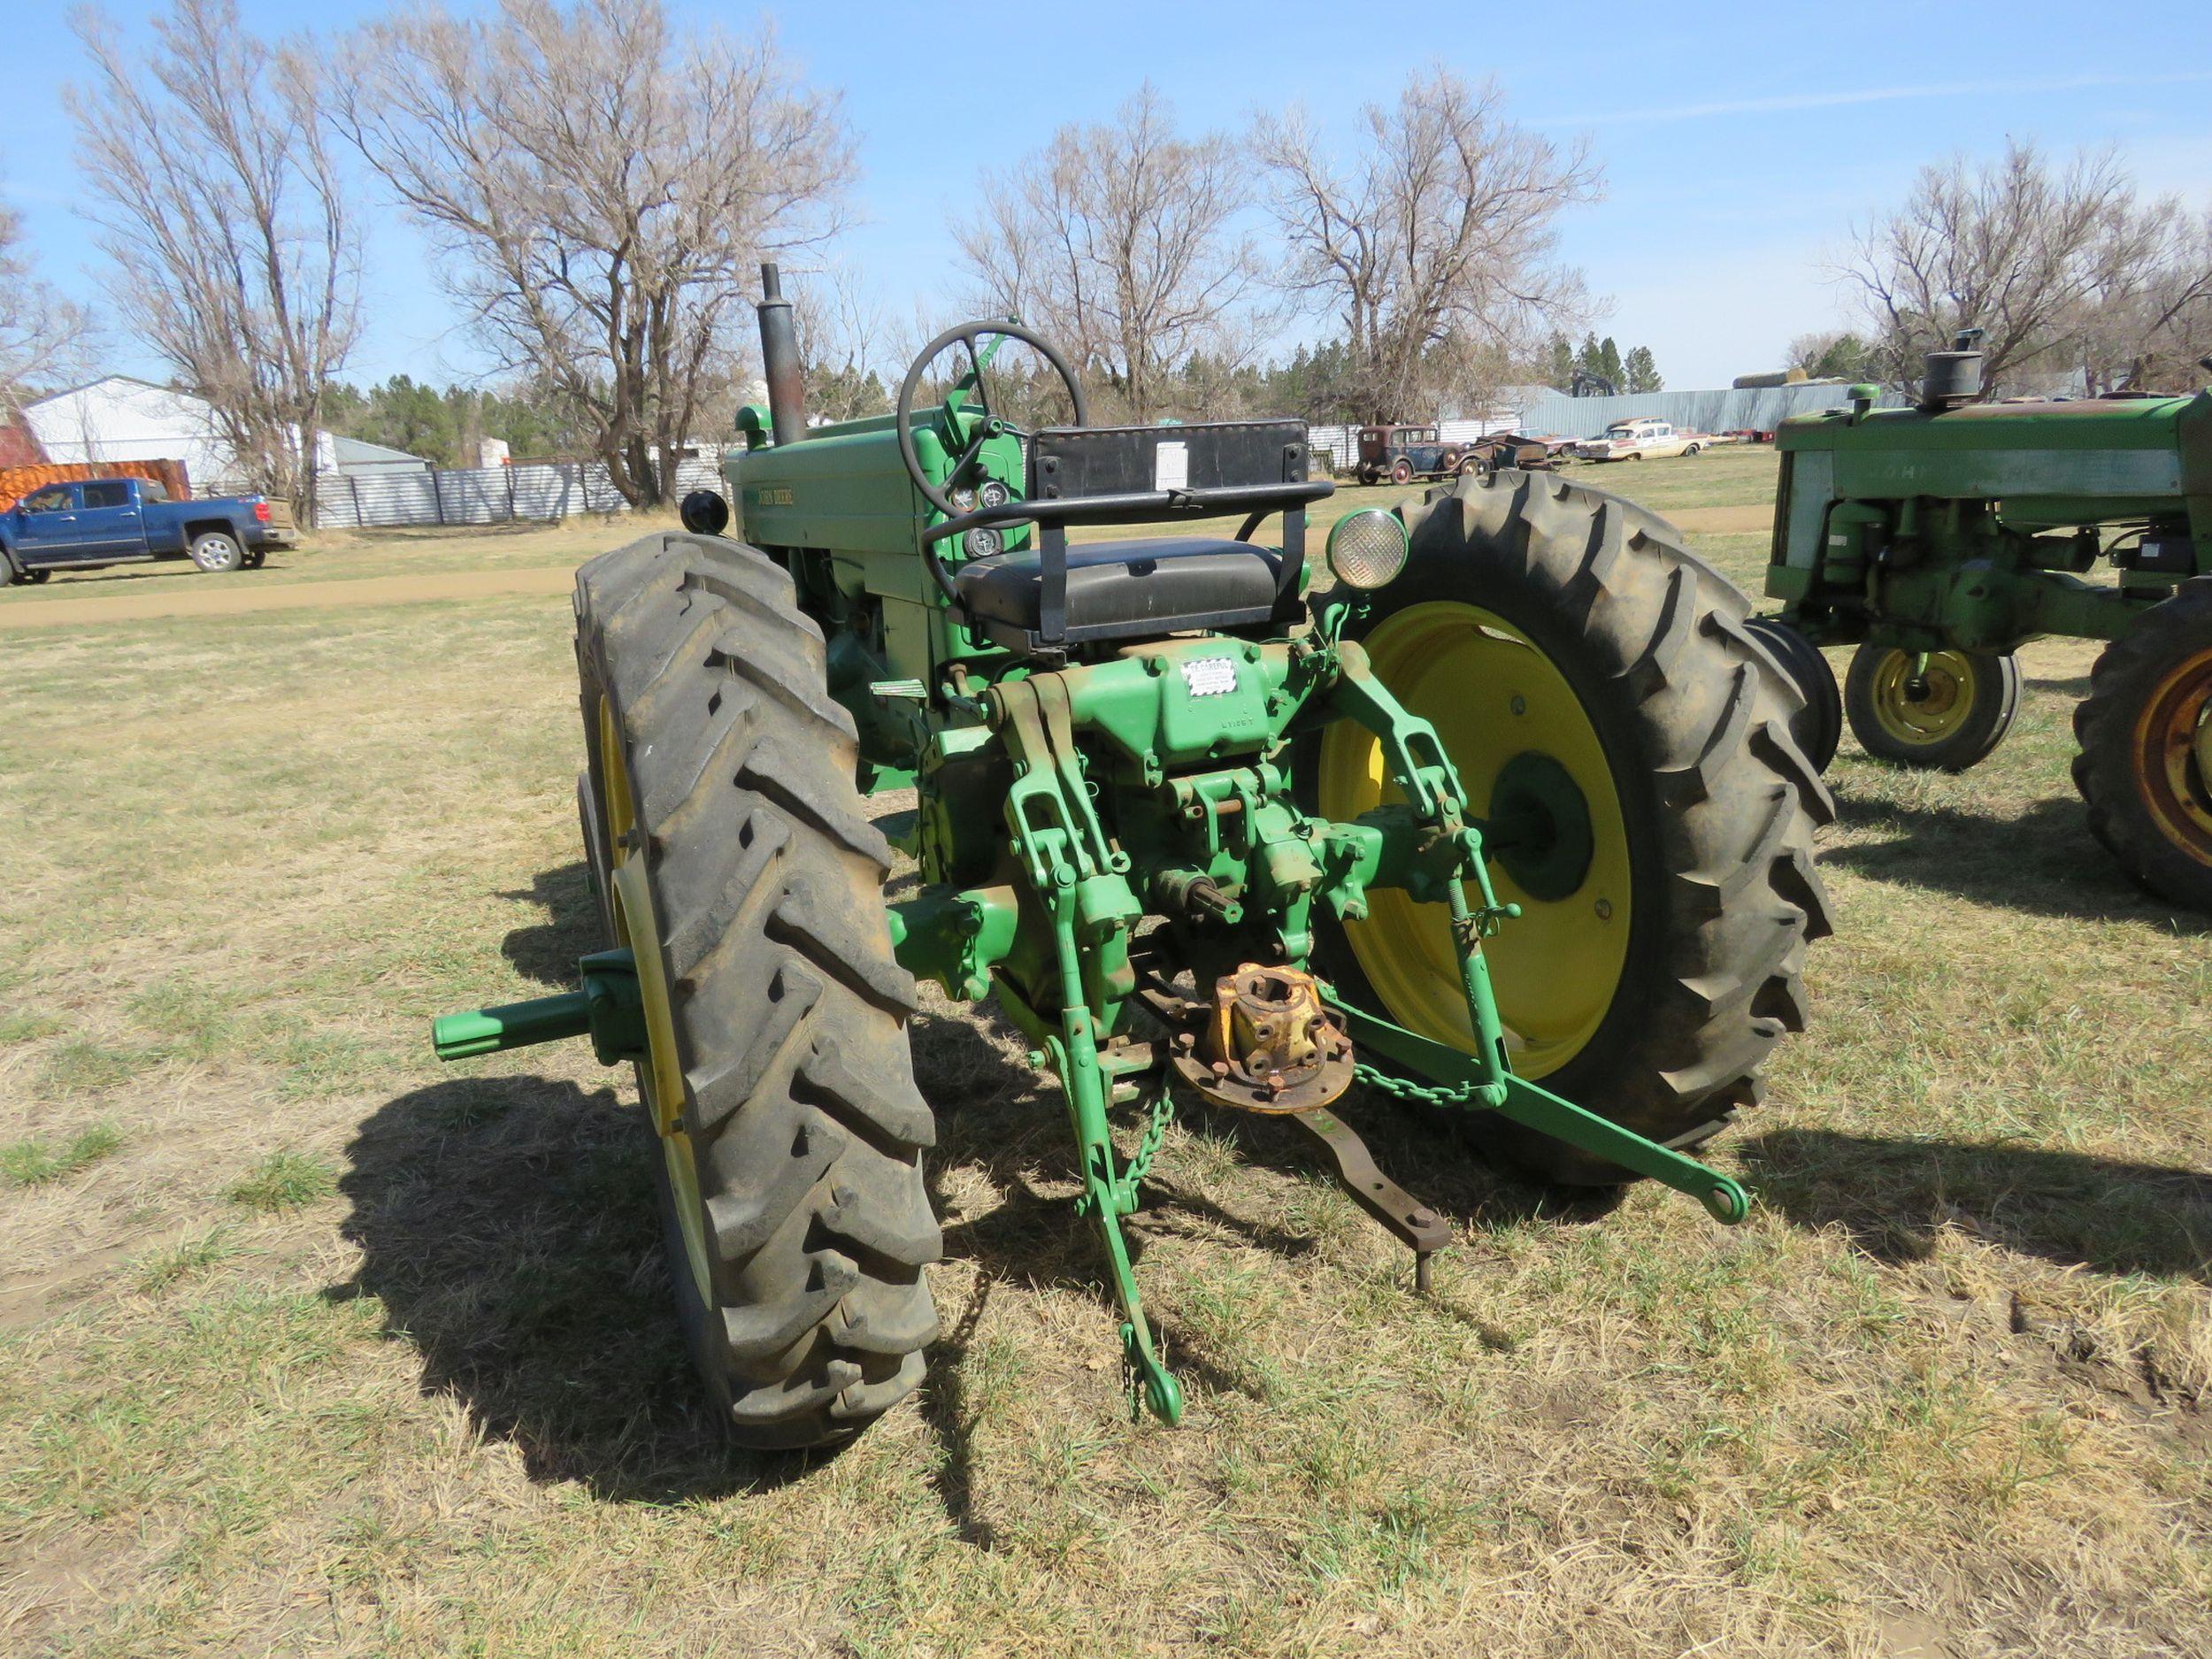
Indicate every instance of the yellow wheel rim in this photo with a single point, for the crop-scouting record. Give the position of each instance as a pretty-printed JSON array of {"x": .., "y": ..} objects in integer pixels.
[
  {"x": 1949, "y": 686},
  {"x": 660, "y": 1078},
  {"x": 2173, "y": 749},
  {"x": 1494, "y": 698}
]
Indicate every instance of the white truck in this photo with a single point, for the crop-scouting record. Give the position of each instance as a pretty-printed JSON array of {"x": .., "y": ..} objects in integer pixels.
[{"x": 1640, "y": 438}]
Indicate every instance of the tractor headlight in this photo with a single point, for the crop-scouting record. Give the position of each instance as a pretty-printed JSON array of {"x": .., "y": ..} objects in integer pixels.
[{"x": 1367, "y": 549}]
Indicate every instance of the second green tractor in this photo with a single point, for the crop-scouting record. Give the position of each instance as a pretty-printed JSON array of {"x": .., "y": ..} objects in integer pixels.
[
  {"x": 1503, "y": 819},
  {"x": 1940, "y": 539}
]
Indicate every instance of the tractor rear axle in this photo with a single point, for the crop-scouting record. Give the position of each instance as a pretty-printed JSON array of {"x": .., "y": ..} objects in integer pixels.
[{"x": 608, "y": 1011}]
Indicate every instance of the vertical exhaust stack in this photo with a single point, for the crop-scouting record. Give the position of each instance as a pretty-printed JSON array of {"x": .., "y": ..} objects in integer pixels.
[
  {"x": 780, "y": 359},
  {"x": 1954, "y": 378}
]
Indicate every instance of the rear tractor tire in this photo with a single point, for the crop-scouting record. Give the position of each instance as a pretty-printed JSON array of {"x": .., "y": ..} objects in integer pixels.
[
  {"x": 2145, "y": 769},
  {"x": 1628, "y": 739},
  {"x": 734, "y": 859},
  {"x": 1945, "y": 716}
]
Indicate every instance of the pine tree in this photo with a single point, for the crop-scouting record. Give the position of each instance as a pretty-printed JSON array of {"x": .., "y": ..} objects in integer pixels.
[
  {"x": 1560, "y": 372},
  {"x": 1642, "y": 374}
]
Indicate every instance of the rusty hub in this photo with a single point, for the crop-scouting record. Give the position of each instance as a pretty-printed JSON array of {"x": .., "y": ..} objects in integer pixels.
[{"x": 1267, "y": 1044}]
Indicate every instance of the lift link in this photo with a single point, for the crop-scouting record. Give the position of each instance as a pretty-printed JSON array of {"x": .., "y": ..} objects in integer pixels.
[
  {"x": 1485, "y": 1078},
  {"x": 1078, "y": 875}
]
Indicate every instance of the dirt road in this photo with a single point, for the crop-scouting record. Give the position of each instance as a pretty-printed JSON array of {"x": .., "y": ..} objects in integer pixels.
[{"x": 239, "y": 594}]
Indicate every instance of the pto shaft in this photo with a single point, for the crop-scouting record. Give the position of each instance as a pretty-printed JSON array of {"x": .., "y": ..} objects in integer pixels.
[
  {"x": 516, "y": 1025},
  {"x": 610, "y": 1010}
]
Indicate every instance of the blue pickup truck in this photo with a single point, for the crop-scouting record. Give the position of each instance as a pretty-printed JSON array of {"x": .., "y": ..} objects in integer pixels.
[{"x": 87, "y": 523}]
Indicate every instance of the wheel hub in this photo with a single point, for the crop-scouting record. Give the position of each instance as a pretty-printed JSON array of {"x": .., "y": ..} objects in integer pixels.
[
  {"x": 1539, "y": 826},
  {"x": 1267, "y": 1045},
  {"x": 2174, "y": 742},
  {"x": 1526, "y": 747},
  {"x": 1926, "y": 703}
]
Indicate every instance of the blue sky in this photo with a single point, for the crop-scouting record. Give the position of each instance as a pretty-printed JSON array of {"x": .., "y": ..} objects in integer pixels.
[{"x": 1740, "y": 142}]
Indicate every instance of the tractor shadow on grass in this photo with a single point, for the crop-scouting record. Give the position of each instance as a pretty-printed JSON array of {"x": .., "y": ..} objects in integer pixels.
[
  {"x": 2044, "y": 862},
  {"x": 1892, "y": 1196},
  {"x": 507, "y": 1226},
  {"x": 547, "y": 951}
]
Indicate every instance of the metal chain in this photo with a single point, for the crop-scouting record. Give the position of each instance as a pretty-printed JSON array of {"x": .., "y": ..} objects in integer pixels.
[
  {"x": 1405, "y": 1088},
  {"x": 1154, "y": 1134}
]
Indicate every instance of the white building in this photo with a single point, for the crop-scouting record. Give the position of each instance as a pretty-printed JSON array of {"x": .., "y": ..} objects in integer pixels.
[
  {"x": 120, "y": 418},
  {"x": 357, "y": 457}
]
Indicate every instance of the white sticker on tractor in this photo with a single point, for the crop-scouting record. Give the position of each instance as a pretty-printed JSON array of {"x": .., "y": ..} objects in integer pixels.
[
  {"x": 1171, "y": 466},
  {"x": 1209, "y": 676}
]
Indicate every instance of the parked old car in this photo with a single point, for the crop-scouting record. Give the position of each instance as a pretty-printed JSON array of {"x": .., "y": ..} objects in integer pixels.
[
  {"x": 1402, "y": 453},
  {"x": 1641, "y": 438},
  {"x": 89, "y": 523},
  {"x": 1496, "y": 450}
]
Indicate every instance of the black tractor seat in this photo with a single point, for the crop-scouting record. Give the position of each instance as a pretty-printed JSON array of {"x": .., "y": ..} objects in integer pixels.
[
  {"x": 1039, "y": 604},
  {"x": 1155, "y": 585}
]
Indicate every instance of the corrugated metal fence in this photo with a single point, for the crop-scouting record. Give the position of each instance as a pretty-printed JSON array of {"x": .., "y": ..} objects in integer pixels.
[
  {"x": 547, "y": 492},
  {"x": 483, "y": 495},
  {"x": 1540, "y": 409},
  {"x": 1756, "y": 409}
]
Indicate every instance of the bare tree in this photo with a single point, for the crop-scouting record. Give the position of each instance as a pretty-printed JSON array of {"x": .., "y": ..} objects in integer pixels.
[
  {"x": 601, "y": 189},
  {"x": 2018, "y": 247},
  {"x": 1115, "y": 241},
  {"x": 2149, "y": 324},
  {"x": 1435, "y": 243},
  {"x": 225, "y": 218},
  {"x": 844, "y": 345},
  {"x": 39, "y": 331}
]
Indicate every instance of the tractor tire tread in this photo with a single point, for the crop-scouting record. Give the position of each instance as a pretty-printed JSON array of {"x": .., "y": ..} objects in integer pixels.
[
  {"x": 2103, "y": 772},
  {"x": 805, "y": 1126},
  {"x": 1742, "y": 800}
]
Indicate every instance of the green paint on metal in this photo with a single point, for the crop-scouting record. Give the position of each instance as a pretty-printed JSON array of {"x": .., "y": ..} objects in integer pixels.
[
  {"x": 956, "y": 938},
  {"x": 1540, "y": 826},
  {"x": 608, "y": 1010},
  {"x": 1539, "y": 1108},
  {"x": 1972, "y": 528}
]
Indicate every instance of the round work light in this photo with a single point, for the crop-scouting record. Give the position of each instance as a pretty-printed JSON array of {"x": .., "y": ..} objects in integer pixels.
[{"x": 1367, "y": 548}]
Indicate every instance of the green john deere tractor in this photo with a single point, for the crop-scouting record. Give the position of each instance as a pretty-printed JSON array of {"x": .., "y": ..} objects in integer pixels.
[
  {"x": 1508, "y": 821},
  {"x": 1940, "y": 539}
]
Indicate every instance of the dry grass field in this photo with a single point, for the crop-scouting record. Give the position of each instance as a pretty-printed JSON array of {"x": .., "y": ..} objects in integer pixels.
[{"x": 310, "y": 1346}]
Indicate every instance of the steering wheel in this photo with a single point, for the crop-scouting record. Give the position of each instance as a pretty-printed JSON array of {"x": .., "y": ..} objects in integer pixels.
[{"x": 971, "y": 383}]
